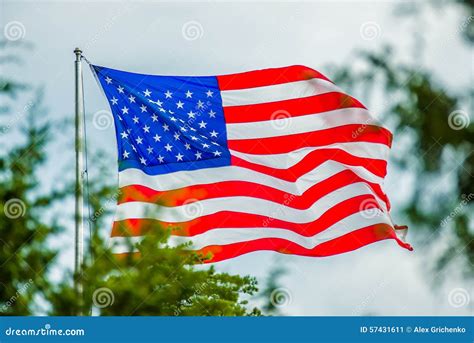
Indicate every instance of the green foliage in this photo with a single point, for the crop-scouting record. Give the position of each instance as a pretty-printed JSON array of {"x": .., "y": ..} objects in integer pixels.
[
  {"x": 25, "y": 256},
  {"x": 440, "y": 146},
  {"x": 158, "y": 280},
  {"x": 162, "y": 281}
]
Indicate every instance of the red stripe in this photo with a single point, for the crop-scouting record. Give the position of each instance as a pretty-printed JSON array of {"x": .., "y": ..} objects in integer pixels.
[
  {"x": 229, "y": 219},
  {"x": 288, "y": 143},
  {"x": 267, "y": 77},
  {"x": 314, "y": 159},
  {"x": 294, "y": 107},
  {"x": 349, "y": 242},
  {"x": 182, "y": 196}
]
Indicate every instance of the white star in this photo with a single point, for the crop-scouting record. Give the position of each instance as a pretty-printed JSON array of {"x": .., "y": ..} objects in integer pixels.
[
  {"x": 217, "y": 153},
  {"x": 187, "y": 146},
  {"x": 189, "y": 94},
  {"x": 146, "y": 129},
  {"x": 168, "y": 147},
  {"x": 133, "y": 148},
  {"x": 179, "y": 157},
  {"x": 182, "y": 128},
  {"x": 131, "y": 98},
  {"x": 166, "y": 127},
  {"x": 143, "y": 108},
  {"x": 125, "y": 154},
  {"x": 135, "y": 119},
  {"x": 147, "y": 92},
  {"x": 212, "y": 114},
  {"x": 149, "y": 149},
  {"x": 161, "y": 159},
  {"x": 205, "y": 145},
  {"x": 124, "y": 134},
  {"x": 194, "y": 138},
  {"x": 209, "y": 93},
  {"x": 176, "y": 136},
  {"x": 114, "y": 101},
  {"x": 108, "y": 80},
  {"x": 198, "y": 155},
  {"x": 154, "y": 117},
  {"x": 202, "y": 124},
  {"x": 162, "y": 110},
  {"x": 191, "y": 114},
  {"x": 200, "y": 104},
  {"x": 139, "y": 140},
  {"x": 173, "y": 119},
  {"x": 168, "y": 94},
  {"x": 120, "y": 118},
  {"x": 214, "y": 133},
  {"x": 142, "y": 160},
  {"x": 179, "y": 104},
  {"x": 125, "y": 110},
  {"x": 120, "y": 89},
  {"x": 157, "y": 138}
]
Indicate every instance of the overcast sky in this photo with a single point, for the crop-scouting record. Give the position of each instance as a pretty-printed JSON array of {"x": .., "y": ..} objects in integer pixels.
[{"x": 208, "y": 38}]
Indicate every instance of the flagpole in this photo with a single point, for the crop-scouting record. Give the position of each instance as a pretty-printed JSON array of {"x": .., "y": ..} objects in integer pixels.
[{"x": 79, "y": 189}]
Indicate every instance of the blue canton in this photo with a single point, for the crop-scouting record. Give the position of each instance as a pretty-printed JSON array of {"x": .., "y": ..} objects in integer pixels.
[{"x": 166, "y": 123}]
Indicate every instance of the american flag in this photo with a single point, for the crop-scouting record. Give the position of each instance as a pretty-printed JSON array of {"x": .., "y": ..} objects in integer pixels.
[{"x": 276, "y": 159}]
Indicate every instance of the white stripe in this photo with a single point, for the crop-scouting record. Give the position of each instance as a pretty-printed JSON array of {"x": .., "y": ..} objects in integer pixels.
[
  {"x": 241, "y": 204},
  {"x": 289, "y": 159},
  {"x": 300, "y": 124},
  {"x": 284, "y": 91},
  {"x": 234, "y": 235},
  {"x": 186, "y": 178}
]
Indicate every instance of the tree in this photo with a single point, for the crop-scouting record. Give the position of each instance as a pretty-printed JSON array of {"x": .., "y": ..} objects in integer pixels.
[
  {"x": 438, "y": 150},
  {"x": 160, "y": 280},
  {"x": 25, "y": 256}
]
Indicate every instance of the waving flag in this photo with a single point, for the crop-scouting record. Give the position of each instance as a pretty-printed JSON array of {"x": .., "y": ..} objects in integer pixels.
[{"x": 276, "y": 159}]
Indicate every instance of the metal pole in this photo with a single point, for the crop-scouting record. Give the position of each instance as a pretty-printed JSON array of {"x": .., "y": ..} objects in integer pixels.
[{"x": 79, "y": 210}]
